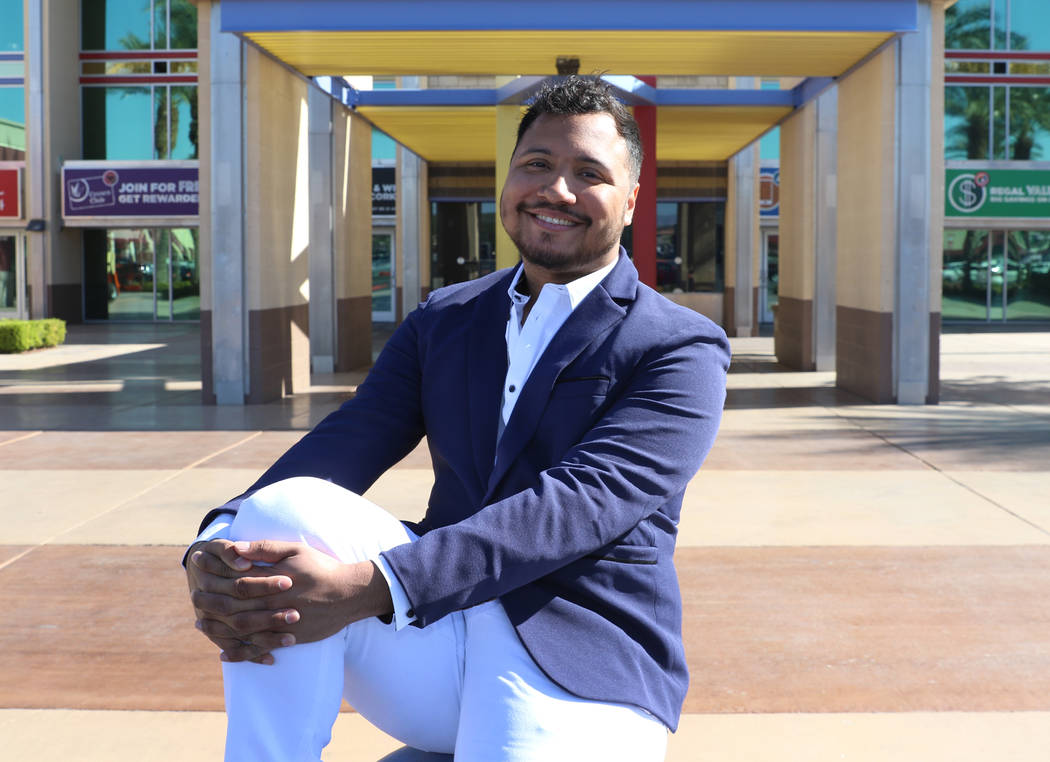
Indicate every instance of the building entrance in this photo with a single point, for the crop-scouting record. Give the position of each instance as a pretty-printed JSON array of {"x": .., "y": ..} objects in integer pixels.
[
  {"x": 996, "y": 275},
  {"x": 12, "y": 276},
  {"x": 768, "y": 275},
  {"x": 383, "y": 276},
  {"x": 141, "y": 274}
]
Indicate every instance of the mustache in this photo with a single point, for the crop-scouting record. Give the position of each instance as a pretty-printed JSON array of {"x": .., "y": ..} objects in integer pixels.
[{"x": 523, "y": 207}]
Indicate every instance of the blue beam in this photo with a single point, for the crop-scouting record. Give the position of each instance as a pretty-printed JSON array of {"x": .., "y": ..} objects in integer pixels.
[
  {"x": 520, "y": 89},
  {"x": 450, "y": 97},
  {"x": 724, "y": 98},
  {"x": 810, "y": 88},
  {"x": 572, "y": 15}
]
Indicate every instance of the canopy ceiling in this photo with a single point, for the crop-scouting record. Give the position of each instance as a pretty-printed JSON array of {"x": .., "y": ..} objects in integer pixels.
[{"x": 743, "y": 38}]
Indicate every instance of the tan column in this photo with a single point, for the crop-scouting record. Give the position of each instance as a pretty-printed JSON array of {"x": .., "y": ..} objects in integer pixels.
[
  {"x": 276, "y": 228},
  {"x": 53, "y": 134},
  {"x": 793, "y": 327},
  {"x": 867, "y": 229},
  {"x": 352, "y": 235},
  {"x": 507, "y": 118}
]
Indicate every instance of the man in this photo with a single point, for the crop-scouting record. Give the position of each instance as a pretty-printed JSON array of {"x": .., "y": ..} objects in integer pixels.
[{"x": 534, "y": 613}]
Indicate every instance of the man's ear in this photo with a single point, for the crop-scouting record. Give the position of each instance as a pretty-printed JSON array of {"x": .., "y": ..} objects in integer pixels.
[{"x": 632, "y": 200}]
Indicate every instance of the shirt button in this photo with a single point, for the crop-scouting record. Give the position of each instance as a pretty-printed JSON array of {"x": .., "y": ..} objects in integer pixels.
[{"x": 511, "y": 388}]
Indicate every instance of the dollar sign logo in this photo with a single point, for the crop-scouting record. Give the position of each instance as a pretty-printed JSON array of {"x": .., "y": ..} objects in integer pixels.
[
  {"x": 968, "y": 189},
  {"x": 965, "y": 194}
]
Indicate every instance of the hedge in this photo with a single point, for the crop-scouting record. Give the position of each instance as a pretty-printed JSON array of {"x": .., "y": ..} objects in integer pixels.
[{"x": 21, "y": 335}]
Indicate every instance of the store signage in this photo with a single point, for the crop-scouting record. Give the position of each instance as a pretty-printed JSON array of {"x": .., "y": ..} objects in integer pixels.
[
  {"x": 153, "y": 191},
  {"x": 769, "y": 192},
  {"x": 997, "y": 193},
  {"x": 384, "y": 192},
  {"x": 10, "y": 193}
]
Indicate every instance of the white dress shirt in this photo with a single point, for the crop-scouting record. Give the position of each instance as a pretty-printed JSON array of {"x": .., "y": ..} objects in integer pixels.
[{"x": 526, "y": 341}]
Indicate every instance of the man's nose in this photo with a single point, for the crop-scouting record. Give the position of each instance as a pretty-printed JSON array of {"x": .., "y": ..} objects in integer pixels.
[{"x": 558, "y": 191}]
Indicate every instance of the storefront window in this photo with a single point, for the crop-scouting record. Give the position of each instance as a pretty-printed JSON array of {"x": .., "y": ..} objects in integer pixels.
[
  {"x": 1029, "y": 122},
  {"x": 138, "y": 25},
  {"x": 966, "y": 122},
  {"x": 141, "y": 274},
  {"x": 158, "y": 122},
  {"x": 1033, "y": 16},
  {"x": 11, "y": 39},
  {"x": 12, "y": 124},
  {"x": 1028, "y": 275},
  {"x": 463, "y": 241},
  {"x": 1021, "y": 112},
  {"x": 690, "y": 254},
  {"x": 992, "y": 275}
]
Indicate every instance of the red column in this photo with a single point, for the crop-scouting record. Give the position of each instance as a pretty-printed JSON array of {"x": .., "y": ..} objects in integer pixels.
[{"x": 644, "y": 225}]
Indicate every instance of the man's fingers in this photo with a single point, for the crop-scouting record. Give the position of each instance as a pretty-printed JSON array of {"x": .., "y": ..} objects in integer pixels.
[
  {"x": 243, "y": 626},
  {"x": 258, "y": 648},
  {"x": 225, "y": 605},
  {"x": 226, "y": 552},
  {"x": 268, "y": 551},
  {"x": 257, "y": 584}
]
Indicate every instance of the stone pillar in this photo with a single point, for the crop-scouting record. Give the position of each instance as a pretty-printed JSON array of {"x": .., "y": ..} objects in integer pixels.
[
  {"x": 507, "y": 119},
  {"x": 644, "y": 226},
  {"x": 793, "y": 326},
  {"x": 322, "y": 261},
  {"x": 352, "y": 176},
  {"x": 224, "y": 356},
  {"x": 413, "y": 217},
  {"x": 867, "y": 229},
  {"x": 741, "y": 241},
  {"x": 911, "y": 336},
  {"x": 825, "y": 229},
  {"x": 54, "y": 256},
  {"x": 276, "y": 227},
  {"x": 805, "y": 322}
]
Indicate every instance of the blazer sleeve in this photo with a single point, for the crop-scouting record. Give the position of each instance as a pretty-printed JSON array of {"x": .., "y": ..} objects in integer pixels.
[
  {"x": 368, "y": 434},
  {"x": 638, "y": 456}
]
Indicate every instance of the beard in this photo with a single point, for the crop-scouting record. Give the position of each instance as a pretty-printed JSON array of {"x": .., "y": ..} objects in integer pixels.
[{"x": 595, "y": 245}]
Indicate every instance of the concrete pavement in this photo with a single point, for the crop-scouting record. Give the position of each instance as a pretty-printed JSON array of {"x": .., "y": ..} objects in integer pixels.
[{"x": 860, "y": 582}]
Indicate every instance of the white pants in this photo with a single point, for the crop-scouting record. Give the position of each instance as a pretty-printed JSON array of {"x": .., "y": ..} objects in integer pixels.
[{"x": 462, "y": 685}]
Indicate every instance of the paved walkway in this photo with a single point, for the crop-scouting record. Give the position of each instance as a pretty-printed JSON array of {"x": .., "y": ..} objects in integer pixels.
[{"x": 860, "y": 582}]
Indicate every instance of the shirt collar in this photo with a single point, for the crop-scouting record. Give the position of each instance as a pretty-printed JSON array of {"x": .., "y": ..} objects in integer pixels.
[{"x": 576, "y": 290}]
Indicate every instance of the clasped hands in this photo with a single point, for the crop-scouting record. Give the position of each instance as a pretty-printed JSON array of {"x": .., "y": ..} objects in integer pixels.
[{"x": 299, "y": 596}]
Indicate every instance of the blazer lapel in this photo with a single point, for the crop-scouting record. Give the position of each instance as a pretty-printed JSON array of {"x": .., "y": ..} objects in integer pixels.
[
  {"x": 486, "y": 371},
  {"x": 587, "y": 323}
]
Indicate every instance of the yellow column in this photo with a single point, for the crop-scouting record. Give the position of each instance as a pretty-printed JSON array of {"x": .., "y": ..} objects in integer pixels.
[
  {"x": 507, "y": 118},
  {"x": 793, "y": 329},
  {"x": 867, "y": 229}
]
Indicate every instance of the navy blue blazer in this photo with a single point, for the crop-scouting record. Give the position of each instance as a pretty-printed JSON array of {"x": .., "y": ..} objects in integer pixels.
[{"x": 571, "y": 520}]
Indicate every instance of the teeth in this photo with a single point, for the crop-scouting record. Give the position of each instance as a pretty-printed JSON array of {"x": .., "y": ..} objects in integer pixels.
[{"x": 555, "y": 221}]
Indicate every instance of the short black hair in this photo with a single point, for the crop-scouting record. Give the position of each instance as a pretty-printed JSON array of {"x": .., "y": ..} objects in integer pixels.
[{"x": 566, "y": 96}]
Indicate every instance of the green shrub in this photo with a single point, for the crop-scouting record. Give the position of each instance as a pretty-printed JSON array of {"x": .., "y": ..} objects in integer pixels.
[{"x": 22, "y": 335}]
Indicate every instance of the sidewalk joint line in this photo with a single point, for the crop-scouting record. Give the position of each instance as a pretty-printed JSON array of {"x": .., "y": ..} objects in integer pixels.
[
  {"x": 945, "y": 474},
  {"x": 130, "y": 498},
  {"x": 22, "y": 438}
]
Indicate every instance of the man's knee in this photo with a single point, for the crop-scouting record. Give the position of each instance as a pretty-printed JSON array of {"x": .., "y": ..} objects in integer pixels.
[{"x": 321, "y": 514}]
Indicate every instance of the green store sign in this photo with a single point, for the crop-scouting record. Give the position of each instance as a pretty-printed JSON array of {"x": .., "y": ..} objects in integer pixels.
[{"x": 997, "y": 193}]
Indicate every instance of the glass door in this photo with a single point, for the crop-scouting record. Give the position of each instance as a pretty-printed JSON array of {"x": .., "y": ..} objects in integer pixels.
[
  {"x": 383, "y": 280},
  {"x": 12, "y": 276},
  {"x": 769, "y": 275},
  {"x": 996, "y": 275}
]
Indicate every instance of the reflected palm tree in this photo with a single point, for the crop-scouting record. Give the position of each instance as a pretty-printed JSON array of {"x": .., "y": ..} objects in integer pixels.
[
  {"x": 183, "y": 36},
  {"x": 1028, "y": 112}
]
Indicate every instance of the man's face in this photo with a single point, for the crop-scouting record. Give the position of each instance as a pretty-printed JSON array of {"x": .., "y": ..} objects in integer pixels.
[{"x": 569, "y": 193}]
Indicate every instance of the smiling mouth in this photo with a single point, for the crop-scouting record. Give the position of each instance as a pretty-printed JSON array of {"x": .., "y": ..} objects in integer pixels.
[{"x": 565, "y": 222}]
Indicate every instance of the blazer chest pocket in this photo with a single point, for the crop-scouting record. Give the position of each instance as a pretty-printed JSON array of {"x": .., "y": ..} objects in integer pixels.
[{"x": 580, "y": 386}]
